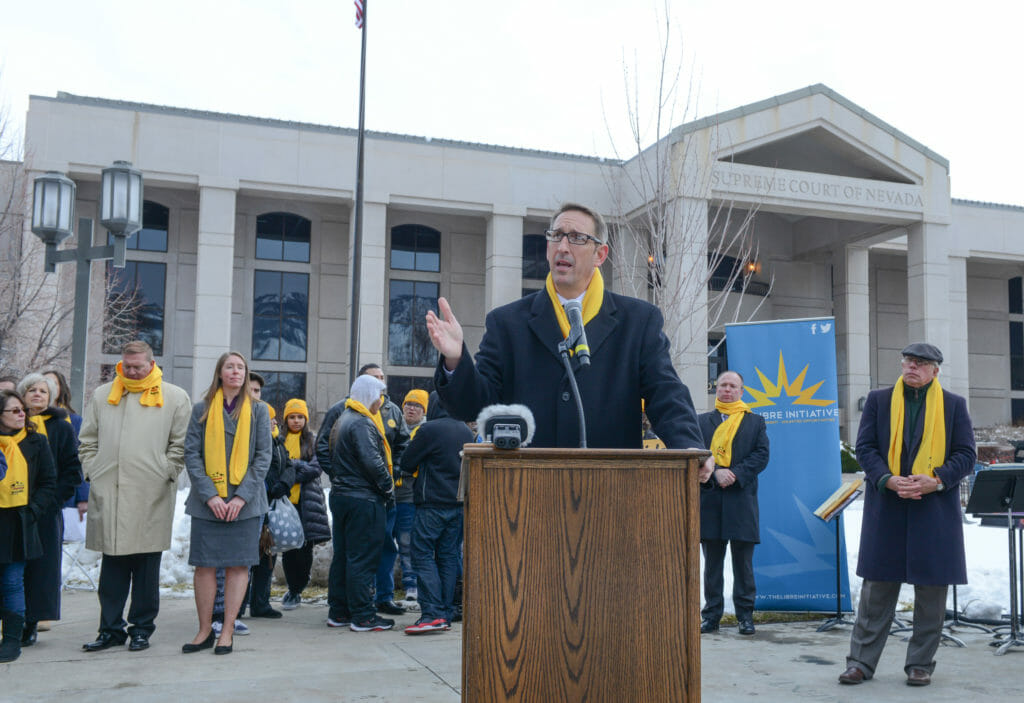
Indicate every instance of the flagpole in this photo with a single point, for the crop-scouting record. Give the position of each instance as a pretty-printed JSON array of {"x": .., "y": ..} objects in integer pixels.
[{"x": 357, "y": 222}]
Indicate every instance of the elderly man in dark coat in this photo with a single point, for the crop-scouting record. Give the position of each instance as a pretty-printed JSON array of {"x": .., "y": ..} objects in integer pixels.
[
  {"x": 728, "y": 501},
  {"x": 519, "y": 361},
  {"x": 915, "y": 444}
]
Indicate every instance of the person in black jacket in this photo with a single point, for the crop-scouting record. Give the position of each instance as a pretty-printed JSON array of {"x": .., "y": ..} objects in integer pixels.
[
  {"x": 308, "y": 497},
  {"x": 434, "y": 458},
  {"x": 43, "y": 575},
  {"x": 738, "y": 442},
  {"x": 27, "y": 495},
  {"x": 361, "y": 491}
]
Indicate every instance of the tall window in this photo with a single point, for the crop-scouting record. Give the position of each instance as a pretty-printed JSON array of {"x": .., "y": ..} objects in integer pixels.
[
  {"x": 415, "y": 248},
  {"x": 718, "y": 360},
  {"x": 280, "y": 315},
  {"x": 408, "y": 341},
  {"x": 399, "y": 386},
  {"x": 153, "y": 235},
  {"x": 280, "y": 388},
  {"x": 1016, "y": 309},
  {"x": 282, "y": 236},
  {"x": 134, "y": 306},
  {"x": 535, "y": 256}
]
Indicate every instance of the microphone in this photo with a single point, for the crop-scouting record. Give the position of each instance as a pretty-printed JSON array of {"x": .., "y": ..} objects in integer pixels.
[
  {"x": 506, "y": 426},
  {"x": 574, "y": 311}
]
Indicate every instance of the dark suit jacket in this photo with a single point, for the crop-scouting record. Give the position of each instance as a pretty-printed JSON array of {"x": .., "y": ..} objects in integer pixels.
[
  {"x": 913, "y": 541},
  {"x": 518, "y": 362},
  {"x": 732, "y": 513}
]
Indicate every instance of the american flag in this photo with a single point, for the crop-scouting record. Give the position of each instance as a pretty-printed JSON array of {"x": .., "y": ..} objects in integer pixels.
[{"x": 359, "y": 13}]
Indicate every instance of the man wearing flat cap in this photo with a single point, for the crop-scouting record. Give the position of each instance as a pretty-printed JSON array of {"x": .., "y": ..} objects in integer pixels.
[{"x": 915, "y": 444}]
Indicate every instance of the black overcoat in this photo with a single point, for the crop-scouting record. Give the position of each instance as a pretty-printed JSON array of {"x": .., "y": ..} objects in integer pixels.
[
  {"x": 518, "y": 362},
  {"x": 913, "y": 541},
  {"x": 19, "y": 533},
  {"x": 732, "y": 512}
]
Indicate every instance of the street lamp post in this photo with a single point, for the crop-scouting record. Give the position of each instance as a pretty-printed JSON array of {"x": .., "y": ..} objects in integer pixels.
[{"x": 53, "y": 208}]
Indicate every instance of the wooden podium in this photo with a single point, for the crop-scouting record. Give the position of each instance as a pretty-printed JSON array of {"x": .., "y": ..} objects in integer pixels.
[{"x": 582, "y": 572}]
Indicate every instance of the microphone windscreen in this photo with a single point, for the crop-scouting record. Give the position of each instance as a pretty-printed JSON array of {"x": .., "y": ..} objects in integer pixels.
[{"x": 520, "y": 411}]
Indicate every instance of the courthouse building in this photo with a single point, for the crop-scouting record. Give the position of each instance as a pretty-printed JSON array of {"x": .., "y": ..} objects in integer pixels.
[{"x": 248, "y": 224}]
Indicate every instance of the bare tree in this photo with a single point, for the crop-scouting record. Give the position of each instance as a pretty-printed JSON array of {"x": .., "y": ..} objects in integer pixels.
[{"x": 695, "y": 262}]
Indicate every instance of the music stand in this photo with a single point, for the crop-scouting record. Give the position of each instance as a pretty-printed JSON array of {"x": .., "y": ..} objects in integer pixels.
[
  {"x": 1001, "y": 492},
  {"x": 838, "y": 619}
]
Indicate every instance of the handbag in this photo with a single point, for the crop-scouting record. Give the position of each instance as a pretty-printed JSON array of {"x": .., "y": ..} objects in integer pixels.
[{"x": 285, "y": 526}]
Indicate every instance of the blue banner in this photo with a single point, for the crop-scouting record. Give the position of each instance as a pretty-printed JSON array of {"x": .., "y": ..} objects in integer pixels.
[{"x": 789, "y": 373}]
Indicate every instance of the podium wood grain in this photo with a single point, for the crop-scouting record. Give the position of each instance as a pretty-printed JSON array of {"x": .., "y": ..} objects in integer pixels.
[{"x": 581, "y": 575}]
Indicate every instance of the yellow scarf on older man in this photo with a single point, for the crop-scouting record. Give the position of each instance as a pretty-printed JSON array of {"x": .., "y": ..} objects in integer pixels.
[
  {"x": 14, "y": 486},
  {"x": 721, "y": 441},
  {"x": 151, "y": 387},
  {"x": 932, "y": 452},
  {"x": 214, "y": 450}
]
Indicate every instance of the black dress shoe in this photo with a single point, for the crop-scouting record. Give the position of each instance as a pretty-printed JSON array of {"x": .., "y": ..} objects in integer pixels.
[
  {"x": 268, "y": 613},
  {"x": 138, "y": 643},
  {"x": 708, "y": 626},
  {"x": 390, "y": 607},
  {"x": 29, "y": 634},
  {"x": 747, "y": 627},
  {"x": 918, "y": 677},
  {"x": 205, "y": 644},
  {"x": 104, "y": 641},
  {"x": 223, "y": 648}
]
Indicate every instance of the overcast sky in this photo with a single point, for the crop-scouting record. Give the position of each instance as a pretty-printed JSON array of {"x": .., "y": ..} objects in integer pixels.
[{"x": 542, "y": 75}]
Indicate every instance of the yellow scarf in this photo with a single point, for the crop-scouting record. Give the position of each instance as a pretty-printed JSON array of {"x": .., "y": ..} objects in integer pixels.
[
  {"x": 293, "y": 443},
  {"x": 592, "y": 300},
  {"x": 721, "y": 441},
  {"x": 932, "y": 451},
  {"x": 14, "y": 487},
  {"x": 378, "y": 421},
  {"x": 40, "y": 423},
  {"x": 151, "y": 387},
  {"x": 214, "y": 451}
]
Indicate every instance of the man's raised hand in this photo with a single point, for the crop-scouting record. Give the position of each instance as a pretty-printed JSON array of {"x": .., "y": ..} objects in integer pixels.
[{"x": 445, "y": 334}]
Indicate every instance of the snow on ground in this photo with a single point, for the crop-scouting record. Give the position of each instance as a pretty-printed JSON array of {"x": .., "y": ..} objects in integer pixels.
[{"x": 986, "y": 547}]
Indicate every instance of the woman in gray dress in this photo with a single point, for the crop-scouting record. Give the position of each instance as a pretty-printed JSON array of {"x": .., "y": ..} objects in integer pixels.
[{"x": 227, "y": 455}]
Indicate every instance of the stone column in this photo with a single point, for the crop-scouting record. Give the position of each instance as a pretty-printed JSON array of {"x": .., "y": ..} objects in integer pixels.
[
  {"x": 956, "y": 371},
  {"x": 928, "y": 289},
  {"x": 215, "y": 261},
  {"x": 503, "y": 263},
  {"x": 372, "y": 285},
  {"x": 853, "y": 337},
  {"x": 687, "y": 328}
]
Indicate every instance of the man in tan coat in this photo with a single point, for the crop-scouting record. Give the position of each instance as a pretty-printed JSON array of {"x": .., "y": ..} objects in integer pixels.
[{"x": 132, "y": 450}]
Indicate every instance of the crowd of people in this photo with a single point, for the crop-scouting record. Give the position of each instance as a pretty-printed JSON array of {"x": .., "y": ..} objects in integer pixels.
[{"x": 117, "y": 467}]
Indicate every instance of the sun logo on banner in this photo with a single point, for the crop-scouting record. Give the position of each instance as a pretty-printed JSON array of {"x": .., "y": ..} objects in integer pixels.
[{"x": 794, "y": 391}]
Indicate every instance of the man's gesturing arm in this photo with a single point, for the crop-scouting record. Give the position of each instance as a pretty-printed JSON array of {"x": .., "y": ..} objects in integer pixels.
[{"x": 445, "y": 334}]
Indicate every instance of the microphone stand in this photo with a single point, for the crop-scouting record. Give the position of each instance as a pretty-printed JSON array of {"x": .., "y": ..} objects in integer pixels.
[{"x": 563, "y": 348}]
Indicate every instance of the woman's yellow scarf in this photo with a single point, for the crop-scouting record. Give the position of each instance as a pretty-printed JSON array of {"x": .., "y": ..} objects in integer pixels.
[
  {"x": 293, "y": 443},
  {"x": 151, "y": 387},
  {"x": 592, "y": 300},
  {"x": 215, "y": 451},
  {"x": 721, "y": 441},
  {"x": 932, "y": 452},
  {"x": 361, "y": 409},
  {"x": 14, "y": 486},
  {"x": 40, "y": 422}
]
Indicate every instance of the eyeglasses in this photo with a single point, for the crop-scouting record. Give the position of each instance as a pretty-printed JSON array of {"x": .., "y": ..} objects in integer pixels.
[
  {"x": 15, "y": 411},
  {"x": 916, "y": 361},
  {"x": 577, "y": 238}
]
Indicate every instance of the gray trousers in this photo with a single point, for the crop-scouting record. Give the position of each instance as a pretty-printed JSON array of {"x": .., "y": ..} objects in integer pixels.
[{"x": 874, "y": 618}]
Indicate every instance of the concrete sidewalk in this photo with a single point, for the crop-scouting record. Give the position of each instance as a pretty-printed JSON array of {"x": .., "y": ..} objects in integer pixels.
[{"x": 297, "y": 658}]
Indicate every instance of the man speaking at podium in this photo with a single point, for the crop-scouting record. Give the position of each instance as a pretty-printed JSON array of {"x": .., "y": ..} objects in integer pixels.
[{"x": 519, "y": 362}]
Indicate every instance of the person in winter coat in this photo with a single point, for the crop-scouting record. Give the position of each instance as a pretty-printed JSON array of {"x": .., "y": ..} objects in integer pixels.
[
  {"x": 227, "y": 455},
  {"x": 433, "y": 462},
  {"x": 79, "y": 501},
  {"x": 43, "y": 575},
  {"x": 361, "y": 490},
  {"x": 307, "y": 496},
  {"x": 27, "y": 496},
  {"x": 132, "y": 447},
  {"x": 915, "y": 444},
  {"x": 738, "y": 441}
]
